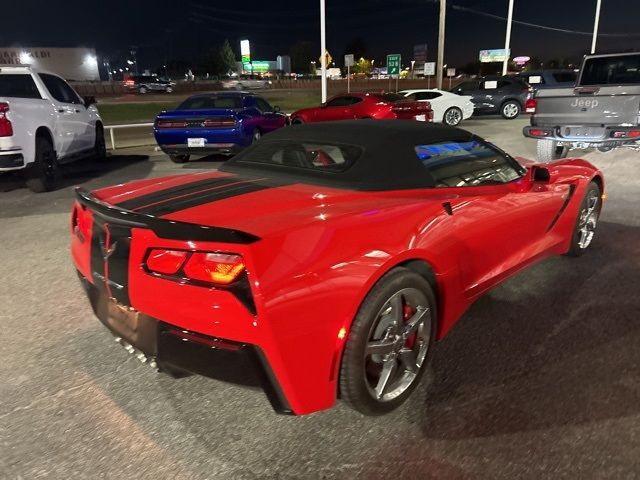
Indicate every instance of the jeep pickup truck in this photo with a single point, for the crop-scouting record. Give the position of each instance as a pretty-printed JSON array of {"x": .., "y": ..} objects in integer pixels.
[
  {"x": 44, "y": 123},
  {"x": 602, "y": 110}
]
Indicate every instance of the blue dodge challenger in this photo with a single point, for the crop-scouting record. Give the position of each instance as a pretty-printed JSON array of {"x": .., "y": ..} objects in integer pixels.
[{"x": 217, "y": 122}]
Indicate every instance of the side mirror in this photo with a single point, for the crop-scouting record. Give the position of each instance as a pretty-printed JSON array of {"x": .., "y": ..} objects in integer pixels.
[
  {"x": 276, "y": 108},
  {"x": 88, "y": 101}
]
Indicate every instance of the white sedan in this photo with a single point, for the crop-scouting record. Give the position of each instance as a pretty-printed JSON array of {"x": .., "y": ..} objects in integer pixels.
[{"x": 447, "y": 107}]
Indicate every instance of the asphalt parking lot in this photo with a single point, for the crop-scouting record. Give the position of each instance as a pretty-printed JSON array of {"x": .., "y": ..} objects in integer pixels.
[{"x": 539, "y": 379}]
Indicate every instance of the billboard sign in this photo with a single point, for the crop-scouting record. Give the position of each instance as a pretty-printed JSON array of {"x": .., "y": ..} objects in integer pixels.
[
  {"x": 348, "y": 60},
  {"x": 245, "y": 51},
  {"x": 521, "y": 60},
  {"x": 495, "y": 55},
  {"x": 419, "y": 55}
]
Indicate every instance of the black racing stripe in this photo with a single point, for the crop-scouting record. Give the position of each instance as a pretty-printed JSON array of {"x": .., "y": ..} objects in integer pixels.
[
  {"x": 110, "y": 274},
  {"x": 168, "y": 193},
  {"x": 205, "y": 197},
  {"x": 572, "y": 189}
]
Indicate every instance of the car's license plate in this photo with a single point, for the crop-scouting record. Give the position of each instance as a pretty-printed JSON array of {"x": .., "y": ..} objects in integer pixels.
[
  {"x": 195, "y": 142},
  {"x": 123, "y": 316},
  {"x": 421, "y": 118}
]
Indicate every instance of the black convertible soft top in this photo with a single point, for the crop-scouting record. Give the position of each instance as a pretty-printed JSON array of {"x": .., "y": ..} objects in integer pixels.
[{"x": 388, "y": 161}]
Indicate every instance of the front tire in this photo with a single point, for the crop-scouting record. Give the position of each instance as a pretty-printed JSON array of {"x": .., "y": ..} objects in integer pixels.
[
  {"x": 257, "y": 135},
  {"x": 168, "y": 90},
  {"x": 587, "y": 221},
  {"x": 389, "y": 343},
  {"x": 297, "y": 121},
  {"x": 452, "y": 116},
  {"x": 100, "y": 147},
  {"x": 549, "y": 151},
  {"x": 510, "y": 110},
  {"x": 184, "y": 158},
  {"x": 42, "y": 174},
  {"x": 143, "y": 90}
]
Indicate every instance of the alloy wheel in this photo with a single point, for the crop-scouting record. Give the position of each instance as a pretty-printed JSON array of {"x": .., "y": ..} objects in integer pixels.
[
  {"x": 397, "y": 344},
  {"x": 453, "y": 117},
  {"x": 510, "y": 110},
  {"x": 588, "y": 220}
]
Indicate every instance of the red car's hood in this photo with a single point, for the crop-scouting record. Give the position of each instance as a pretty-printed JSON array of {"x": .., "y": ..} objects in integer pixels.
[{"x": 257, "y": 205}]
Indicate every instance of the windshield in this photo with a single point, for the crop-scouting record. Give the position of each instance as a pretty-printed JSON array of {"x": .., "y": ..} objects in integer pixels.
[
  {"x": 611, "y": 70},
  {"x": 211, "y": 101}
]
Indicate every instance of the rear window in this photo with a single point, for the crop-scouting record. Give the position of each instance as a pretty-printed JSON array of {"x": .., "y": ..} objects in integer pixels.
[
  {"x": 467, "y": 164},
  {"x": 389, "y": 97},
  {"x": 611, "y": 70},
  {"x": 565, "y": 77},
  {"x": 18, "y": 86},
  {"x": 195, "y": 103},
  {"x": 323, "y": 157}
]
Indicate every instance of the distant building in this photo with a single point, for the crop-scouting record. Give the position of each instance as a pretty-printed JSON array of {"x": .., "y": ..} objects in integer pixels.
[
  {"x": 70, "y": 63},
  {"x": 284, "y": 63}
]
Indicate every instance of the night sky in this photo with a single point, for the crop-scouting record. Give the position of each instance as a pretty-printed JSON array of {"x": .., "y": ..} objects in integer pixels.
[{"x": 165, "y": 29}]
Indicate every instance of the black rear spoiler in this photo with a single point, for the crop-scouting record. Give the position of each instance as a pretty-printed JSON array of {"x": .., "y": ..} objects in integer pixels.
[{"x": 169, "y": 229}]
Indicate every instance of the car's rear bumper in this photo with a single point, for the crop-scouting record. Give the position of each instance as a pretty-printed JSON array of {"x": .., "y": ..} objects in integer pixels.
[
  {"x": 11, "y": 159},
  {"x": 182, "y": 149},
  {"x": 582, "y": 134},
  {"x": 227, "y": 140},
  {"x": 180, "y": 352}
]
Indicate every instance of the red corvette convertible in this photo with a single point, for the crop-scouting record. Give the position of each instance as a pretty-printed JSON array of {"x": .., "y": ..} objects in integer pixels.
[
  {"x": 329, "y": 257},
  {"x": 354, "y": 106}
]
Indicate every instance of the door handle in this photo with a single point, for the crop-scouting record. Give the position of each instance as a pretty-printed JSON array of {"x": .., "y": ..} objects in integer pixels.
[
  {"x": 61, "y": 110},
  {"x": 77, "y": 111}
]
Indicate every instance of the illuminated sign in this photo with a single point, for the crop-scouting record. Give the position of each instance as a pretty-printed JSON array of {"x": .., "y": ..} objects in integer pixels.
[
  {"x": 257, "y": 66},
  {"x": 495, "y": 55},
  {"x": 245, "y": 51},
  {"x": 521, "y": 60}
]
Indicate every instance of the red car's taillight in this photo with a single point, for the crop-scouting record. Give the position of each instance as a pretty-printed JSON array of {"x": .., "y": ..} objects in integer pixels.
[
  {"x": 209, "y": 267},
  {"x": 530, "y": 105},
  {"x": 170, "y": 124},
  {"x": 219, "y": 122},
  {"x": 129, "y": 83},
  {"x": 6, "y": 129}
]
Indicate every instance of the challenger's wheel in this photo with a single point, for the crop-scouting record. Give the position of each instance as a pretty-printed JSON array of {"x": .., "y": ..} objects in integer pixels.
[
  {"x": 297, "y": 121},
  {"x": 510, "y": 110},
  {"x": 587, "y": 221},
  {"x": 257, "y": 135},
  {"x": 42, "y": 174},
  {"x": 389, "y": 343},
  {"x": 453, "y": 116},
  {"x": 550, "y": 151},
  {"x": 100, "y": 147},
  {"x": 179, "y": 158}
]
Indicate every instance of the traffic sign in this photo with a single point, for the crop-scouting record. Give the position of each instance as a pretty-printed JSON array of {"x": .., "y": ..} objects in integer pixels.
[
  {"x": 430, "y": 68},
  {"x": 348, "y": 60},
  {"x": 393, "y": 64},
  {"x": 328, "y": 58},
  {"x": 451, "y": 72}
]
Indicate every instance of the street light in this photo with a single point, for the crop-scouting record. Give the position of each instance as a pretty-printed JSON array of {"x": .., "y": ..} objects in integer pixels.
[
  {"x": 507, "y": 40},
  {"x": 323, "y": 49},
  {"x": 595, "y": 27}
]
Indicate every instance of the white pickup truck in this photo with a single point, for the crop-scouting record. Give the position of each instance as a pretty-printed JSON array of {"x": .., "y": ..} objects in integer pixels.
[
  {"x": 602, "y": 110},
  {"x": 44, "y": 123}
]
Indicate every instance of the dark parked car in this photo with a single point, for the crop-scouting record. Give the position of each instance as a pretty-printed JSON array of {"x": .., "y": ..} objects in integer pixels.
[
  {"x": 504, "y": 95},
  {"x": 148, "y": 83},
  {"x": 549, "y": 78}
]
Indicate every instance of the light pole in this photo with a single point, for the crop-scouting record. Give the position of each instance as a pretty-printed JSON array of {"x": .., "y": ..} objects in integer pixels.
[
  {"x": 323, "y": 48},
  {"x": 507, "y": 39},
  {"x": 443, "y": 12},
  {"x": 595, "y": 27}
]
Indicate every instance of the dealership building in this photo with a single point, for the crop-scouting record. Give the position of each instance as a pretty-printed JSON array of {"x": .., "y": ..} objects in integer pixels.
[{"x": 78, "y": 64}]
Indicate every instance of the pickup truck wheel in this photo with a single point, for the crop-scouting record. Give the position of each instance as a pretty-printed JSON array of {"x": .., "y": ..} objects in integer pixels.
[
  {"x": 100, "y": 147},
  {"x": 550, "y": 151},
  {"x": 587, "y": 221},
  {"x": 179, "y": 158},
  {"x": 510, "y": 110},
  {"x": 42, "y": 174},
  {"x": 389, "y": 344}
]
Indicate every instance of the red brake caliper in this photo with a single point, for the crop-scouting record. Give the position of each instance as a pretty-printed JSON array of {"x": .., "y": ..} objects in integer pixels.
[{"x": 407, "y": 313}]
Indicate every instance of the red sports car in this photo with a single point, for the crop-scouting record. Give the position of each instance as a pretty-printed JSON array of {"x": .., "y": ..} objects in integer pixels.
[
  {"x": 329, "y": 257},
  {"x": 354, "y": 106}
]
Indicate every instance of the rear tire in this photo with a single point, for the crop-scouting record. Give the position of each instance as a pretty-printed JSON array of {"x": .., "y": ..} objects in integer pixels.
[
  {"x": 168, "y": 90},
  {"x": 143, "y": 90},
  {"x": 452, "y": 116},
  {"x": 42, "y": 174},
  {"x": 510, "y": 110},
  {"x": 184, "y": 158},
  {"x": 587, "y": 221},
  {"x": 549, "y": 151},
  {"x": 379, "y": 342},
  {"x": 297, "y": 121}
]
